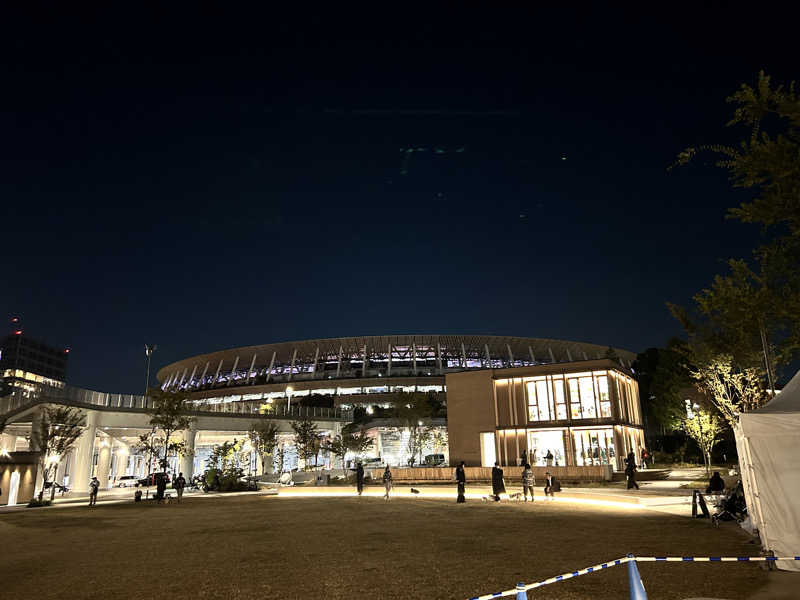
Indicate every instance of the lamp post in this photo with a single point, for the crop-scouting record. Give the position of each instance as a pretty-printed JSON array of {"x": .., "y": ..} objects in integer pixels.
[
  {"x": 289, "y": 391},
  {"x": 148, "y": 351}
]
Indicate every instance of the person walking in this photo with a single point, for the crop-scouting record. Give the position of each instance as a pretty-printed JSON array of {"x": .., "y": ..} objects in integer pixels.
[
  {"x": 528, "y": 481},
  {"x": 461, "y": 481},
  {"x": 180, "y": 483},
  {"x": 498, "y": 485},
  {"x": 630, "y": 470},
  {"x": 359, "y": 478},
  {"x": 387, "y": 482},
  {"x": 94, "y": 487}
]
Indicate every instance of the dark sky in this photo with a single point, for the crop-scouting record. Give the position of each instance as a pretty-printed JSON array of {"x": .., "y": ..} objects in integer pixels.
[{"x": 203, "y": 181}]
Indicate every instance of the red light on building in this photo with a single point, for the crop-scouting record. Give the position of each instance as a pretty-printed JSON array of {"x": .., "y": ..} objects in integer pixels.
[
  {"x": 66, "y": 351},
  {"x": 15, "y": 320},
  {"x": 18, "y": 332}
]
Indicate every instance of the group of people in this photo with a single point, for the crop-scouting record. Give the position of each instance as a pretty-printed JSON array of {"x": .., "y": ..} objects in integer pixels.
[
  {"x": 161, "y": 487},
  {"x": 551, "y": 484}
]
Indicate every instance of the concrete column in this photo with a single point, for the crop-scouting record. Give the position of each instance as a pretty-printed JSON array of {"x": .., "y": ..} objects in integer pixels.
[
  {"x": 62, "y": 468},
  {"x": 36, "y": 421},
  {"x": 8, "y": 442},
  {"x": 82, "y": 471},
  {"x": 121, "y": 453},
  {"x": 104, "y": 462},
  {"x": 187, "y": 460}
]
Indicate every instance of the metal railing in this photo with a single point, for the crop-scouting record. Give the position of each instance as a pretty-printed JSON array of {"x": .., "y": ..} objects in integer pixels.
[{"x": 20, "y": 399}]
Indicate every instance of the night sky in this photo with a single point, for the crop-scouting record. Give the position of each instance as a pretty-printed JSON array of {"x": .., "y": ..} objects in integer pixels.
[{"x": 205, "y": 181}]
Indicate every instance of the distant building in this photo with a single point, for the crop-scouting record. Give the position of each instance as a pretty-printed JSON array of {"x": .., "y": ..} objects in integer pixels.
[{"x": 25, "y": 362}]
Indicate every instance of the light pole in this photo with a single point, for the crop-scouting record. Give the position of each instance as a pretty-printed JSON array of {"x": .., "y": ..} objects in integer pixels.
[
  {"x": 289, "y": 391},
  {"x": 148, "y": 351}
]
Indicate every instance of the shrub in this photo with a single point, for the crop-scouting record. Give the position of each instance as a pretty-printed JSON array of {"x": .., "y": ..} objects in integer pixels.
[{"x": 36, "y": 503}]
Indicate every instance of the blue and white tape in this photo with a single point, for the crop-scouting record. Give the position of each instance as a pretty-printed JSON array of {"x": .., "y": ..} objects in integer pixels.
[{"x": 626, "y": 559}]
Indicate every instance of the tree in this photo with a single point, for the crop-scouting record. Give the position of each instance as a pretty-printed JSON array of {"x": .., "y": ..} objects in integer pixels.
[
  {"x": 338, "y": 447},
  {"x": 732, "y": 390},
  {"x": 757, "y": 305},
  {"x": 439, "y": 440},
  {"x": 349, "y": 441},
  {"x": 306, "y": 436},
  {"x": 168, "y": 414},
  {"x": 419, "y": 434},
  {"x": 55, "y": 435},
  {"x": 611, "y": 354},
  {"x": 414, "y": 411},
  {"x": 704, "y": 427},
  {"x": 264, "y": 437},
  {"x": 224, "y": 467},
  {"x": 663, "y": 378},
  {"x": 358, "y": 442}
]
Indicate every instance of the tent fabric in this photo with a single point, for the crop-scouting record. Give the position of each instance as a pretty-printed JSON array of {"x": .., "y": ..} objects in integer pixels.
[
  {"x": 768, "y": 443},
  {"x": 788, "y": 400}
]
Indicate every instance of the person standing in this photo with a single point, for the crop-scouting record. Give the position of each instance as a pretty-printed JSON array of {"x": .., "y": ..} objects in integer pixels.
[
  {"x": 461, "y": 481},
  {"x": 94, "y": 487},
  {"x": 528, "y": 481},
  {"x": 645, "y": 458},
  {"x": 387, "y": 482},
  {"x": 161, "y": 487},
  {"x": 716, "y": 485},
  {"x": 180, "y": 483},
  {"x": 498, "y": 485},
  {"x": 549, "y": 458},
  {"x": 359, "y": 478},
  {"x": 630, "y": 470}
]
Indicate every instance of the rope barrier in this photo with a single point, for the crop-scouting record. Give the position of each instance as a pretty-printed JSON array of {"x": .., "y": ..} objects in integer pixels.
[{"x": 522, "y": 588}]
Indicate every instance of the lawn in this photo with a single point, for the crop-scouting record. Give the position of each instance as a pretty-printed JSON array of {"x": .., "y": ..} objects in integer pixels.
[{"x": 254, "y": 547}]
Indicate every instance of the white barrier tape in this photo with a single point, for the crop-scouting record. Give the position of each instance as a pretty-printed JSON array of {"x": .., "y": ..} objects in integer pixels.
[
  {"x": 622, "y": 561},
  {"x": 569, "y": 575}
]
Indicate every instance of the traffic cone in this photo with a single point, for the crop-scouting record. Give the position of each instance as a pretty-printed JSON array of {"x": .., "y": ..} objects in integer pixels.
[{"x": 635, "y": 584}]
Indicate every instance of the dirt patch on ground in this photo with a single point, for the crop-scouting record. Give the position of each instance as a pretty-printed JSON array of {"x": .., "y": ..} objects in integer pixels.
[{"x": 272, "y": 547}]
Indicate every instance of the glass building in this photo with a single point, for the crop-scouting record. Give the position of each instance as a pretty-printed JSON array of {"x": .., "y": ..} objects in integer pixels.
[{"x": 584, "y": 413}]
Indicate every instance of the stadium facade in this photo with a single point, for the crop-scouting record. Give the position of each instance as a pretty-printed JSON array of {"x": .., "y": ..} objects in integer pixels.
[{"x": 359, "y": 370}]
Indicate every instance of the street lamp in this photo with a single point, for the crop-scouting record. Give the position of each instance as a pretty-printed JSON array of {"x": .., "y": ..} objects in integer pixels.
[
  {"x": 148, "y": 351},
  {"x": 289, "y": 391}
]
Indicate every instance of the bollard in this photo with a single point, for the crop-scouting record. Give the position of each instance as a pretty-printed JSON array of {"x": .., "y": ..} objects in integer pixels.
[
  {"x": 635, "y": 584},
  {"x": 694, "y": 504},
  {"x": 521, "y": 593}
]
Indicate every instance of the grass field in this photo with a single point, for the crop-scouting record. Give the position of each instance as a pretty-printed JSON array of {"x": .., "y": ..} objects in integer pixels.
[{"x": 254, "y": 547}]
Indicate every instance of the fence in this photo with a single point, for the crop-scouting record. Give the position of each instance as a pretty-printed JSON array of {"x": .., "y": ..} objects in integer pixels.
[{"x": 635, "y": 585}]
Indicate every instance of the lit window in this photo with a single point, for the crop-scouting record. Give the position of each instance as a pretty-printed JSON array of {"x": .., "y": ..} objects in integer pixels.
[
  {"x": 605, "y": 399},
  {"x": 587, "y": 398},
  {"x": 560, "y": 399},
  {"x": 575, "y": 399}
]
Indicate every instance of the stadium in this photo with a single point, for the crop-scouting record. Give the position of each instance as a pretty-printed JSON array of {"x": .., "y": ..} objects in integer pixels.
[{"x": 359, "y": 370}]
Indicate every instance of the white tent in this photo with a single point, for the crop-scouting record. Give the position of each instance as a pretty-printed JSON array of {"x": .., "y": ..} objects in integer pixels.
[{"x": 768, "y": 442}]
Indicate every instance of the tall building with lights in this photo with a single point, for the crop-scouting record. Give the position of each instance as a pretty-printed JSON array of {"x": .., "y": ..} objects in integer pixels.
[{"x": 25, "y": 362}]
